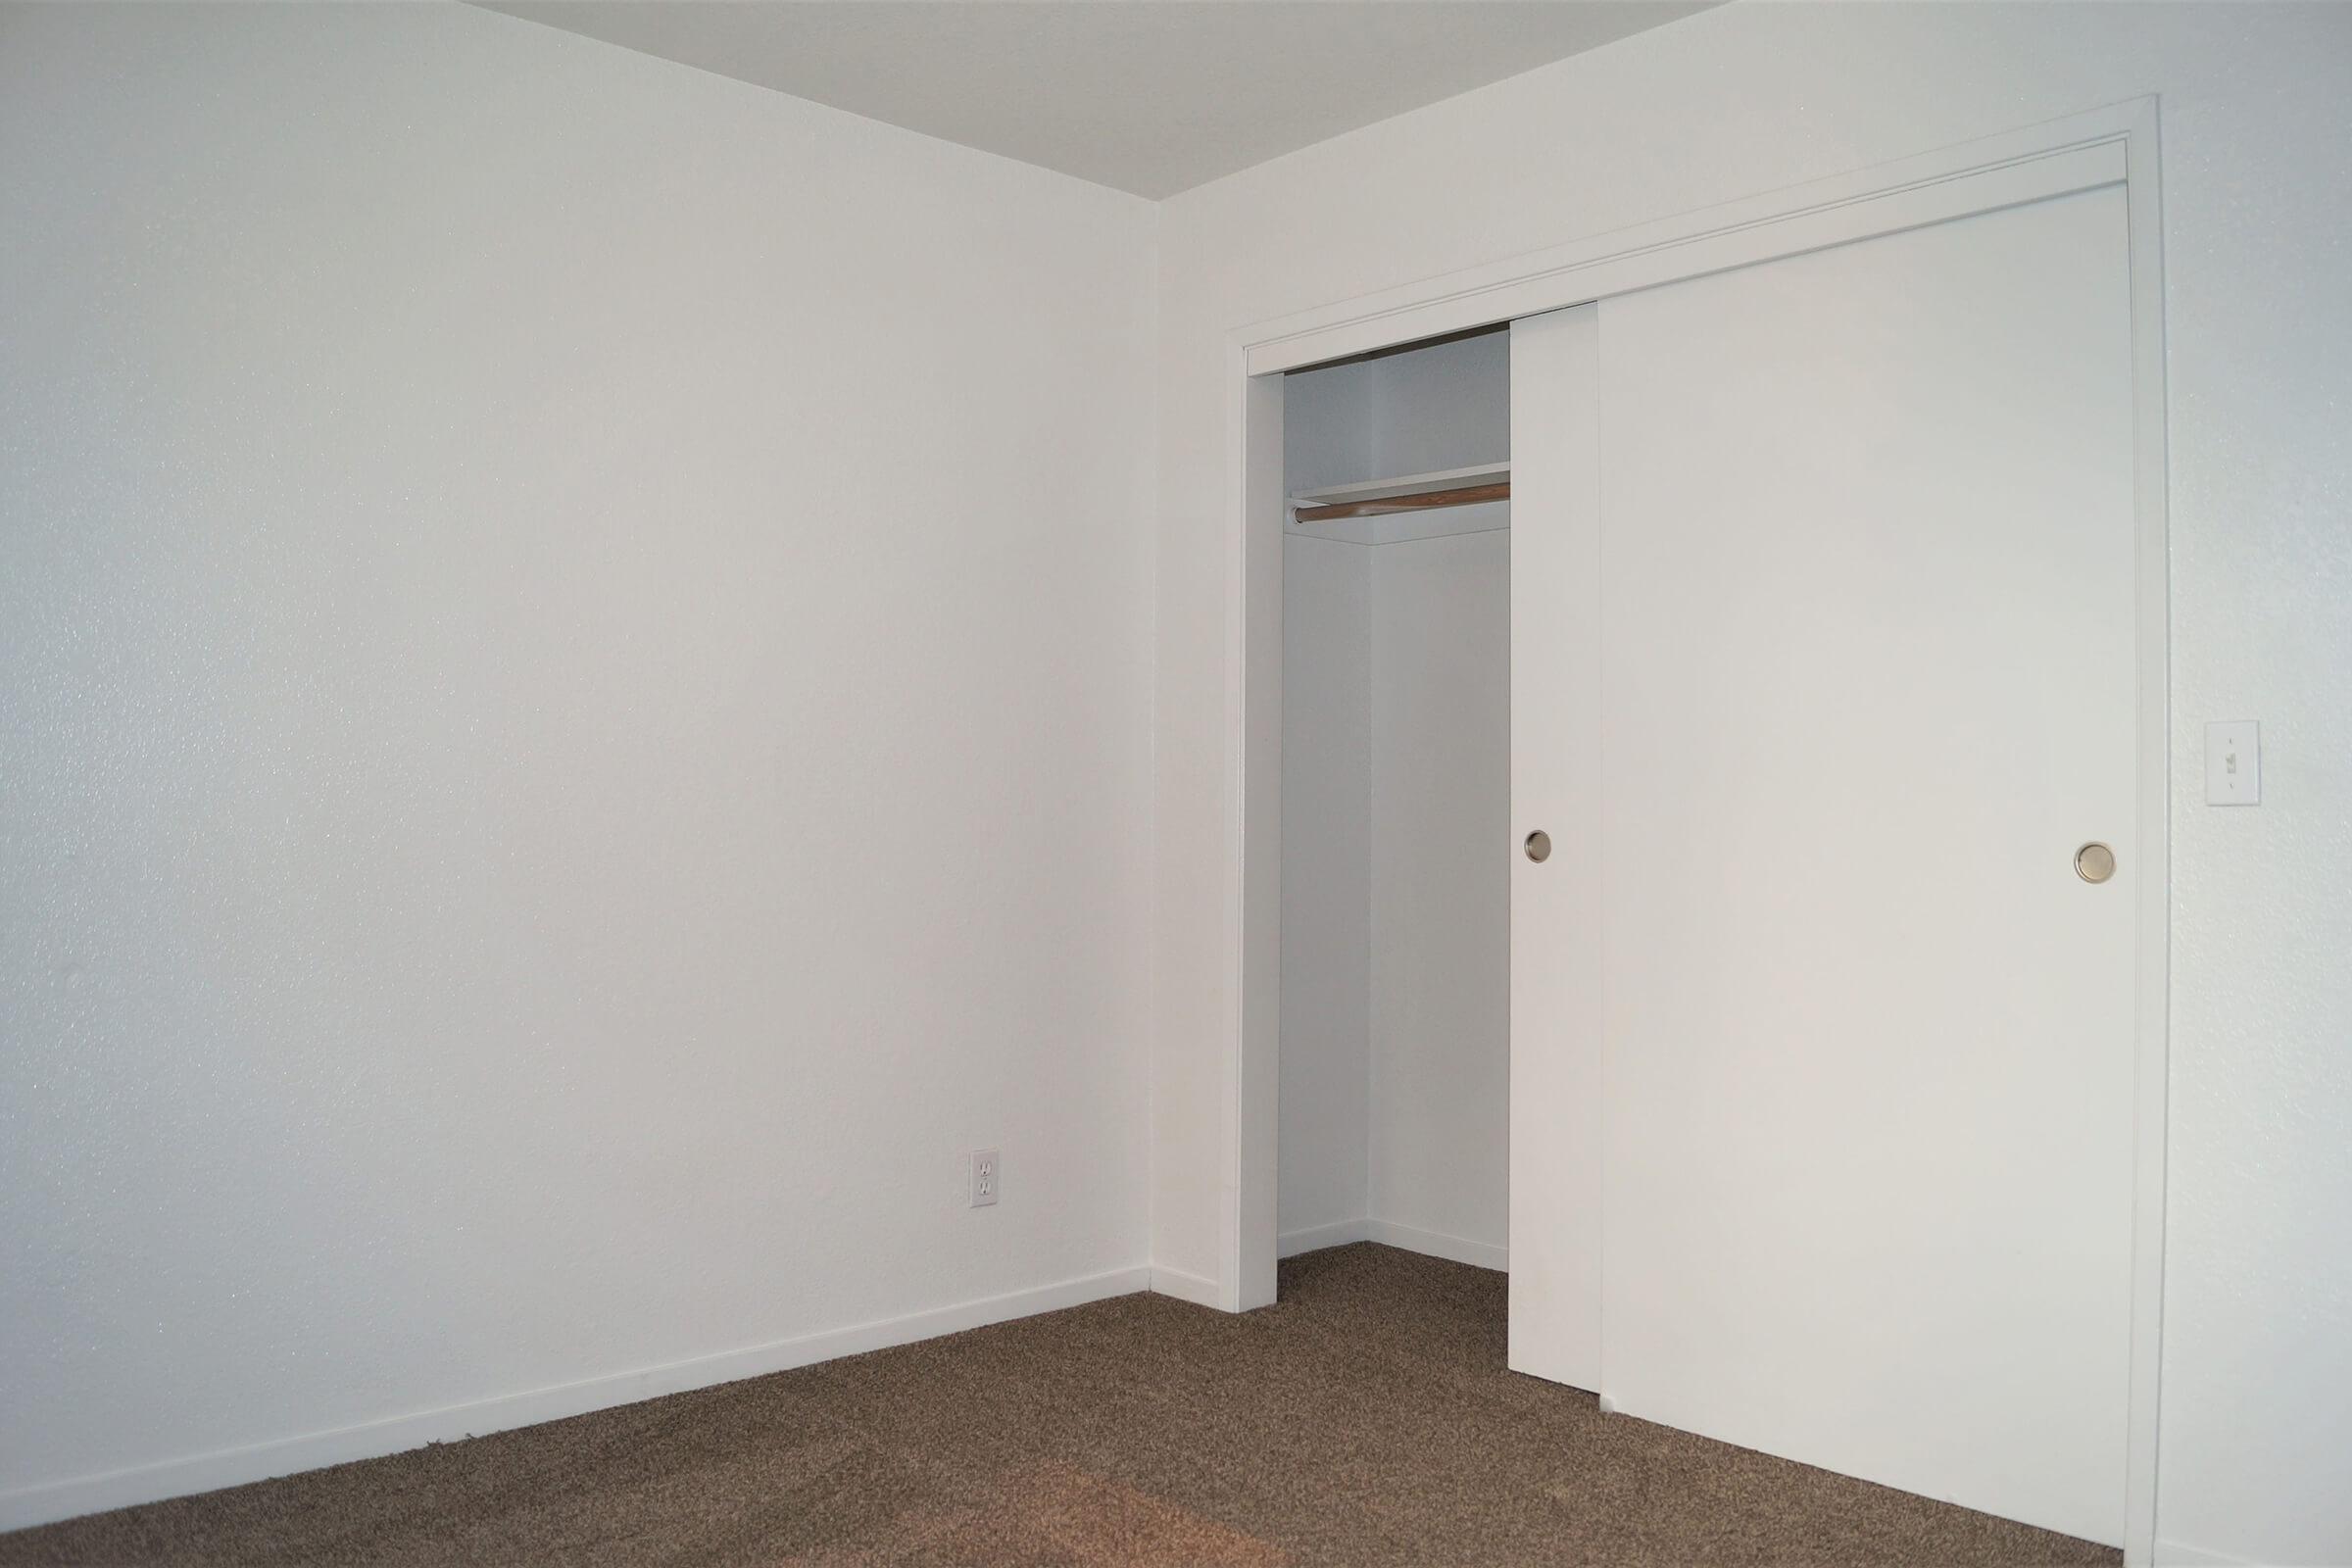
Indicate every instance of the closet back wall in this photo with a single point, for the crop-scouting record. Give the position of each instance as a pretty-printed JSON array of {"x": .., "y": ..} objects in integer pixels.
[
  {"x": 575, "y": 734},
  {"x": 1395, "y": 1108}
]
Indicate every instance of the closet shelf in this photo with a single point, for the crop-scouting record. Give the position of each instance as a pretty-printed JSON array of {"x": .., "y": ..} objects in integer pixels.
[{"x": 1411, "y": 492}]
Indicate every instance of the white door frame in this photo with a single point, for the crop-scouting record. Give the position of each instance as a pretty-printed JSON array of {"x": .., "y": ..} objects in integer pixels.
[{"x": 2113, "y": 145}]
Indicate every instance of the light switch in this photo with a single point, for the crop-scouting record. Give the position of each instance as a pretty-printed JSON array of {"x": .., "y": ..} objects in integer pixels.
[{"x": 2233, "y": 763}]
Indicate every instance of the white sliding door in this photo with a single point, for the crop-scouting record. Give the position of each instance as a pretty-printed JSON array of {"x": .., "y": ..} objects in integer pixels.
[
  {"x": 1861, "y": 684},
  {"x": 1869, "y": 612},
  {"x": 1555, "y": 1090}
]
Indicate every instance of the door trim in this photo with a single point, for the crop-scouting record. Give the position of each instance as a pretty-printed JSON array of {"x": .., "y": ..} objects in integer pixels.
[
  {"x": 2105, "y": 146},
  {"x": 2082, "y": 153}
]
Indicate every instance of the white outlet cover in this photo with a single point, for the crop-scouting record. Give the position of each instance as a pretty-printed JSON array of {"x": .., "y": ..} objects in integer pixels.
[
  {"x": 2233, "y": 763},
  {"x": 988, "y": 1177}
]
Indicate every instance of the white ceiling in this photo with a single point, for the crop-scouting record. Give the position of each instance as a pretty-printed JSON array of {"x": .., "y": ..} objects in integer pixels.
[{"x": 1151, "y": 96}]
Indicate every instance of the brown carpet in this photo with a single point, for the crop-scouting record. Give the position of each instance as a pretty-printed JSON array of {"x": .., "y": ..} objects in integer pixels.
[{"x": 1366, "y": 1419}]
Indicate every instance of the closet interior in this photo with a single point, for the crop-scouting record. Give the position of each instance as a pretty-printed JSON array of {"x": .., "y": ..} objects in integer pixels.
[{"x": 1395, "y": 795}]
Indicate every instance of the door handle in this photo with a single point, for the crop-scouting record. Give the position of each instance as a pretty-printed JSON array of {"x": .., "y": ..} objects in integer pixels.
[{"x": 1539, "y": 846}]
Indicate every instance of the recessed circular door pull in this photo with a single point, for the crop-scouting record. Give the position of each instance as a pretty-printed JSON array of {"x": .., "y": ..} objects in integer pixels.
[
  {"x": 2095, "y": 862},
  {"x": 1539, "y": 846}
]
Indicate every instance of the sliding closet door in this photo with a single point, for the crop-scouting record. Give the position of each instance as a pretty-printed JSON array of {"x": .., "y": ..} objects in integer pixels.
[
  {"x": 1868, "y": 614},
  {"x": 1555, "y": 1092}
]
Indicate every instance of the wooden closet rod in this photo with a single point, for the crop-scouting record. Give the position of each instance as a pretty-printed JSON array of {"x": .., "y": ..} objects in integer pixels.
[{"x": 1424, "y": 501}]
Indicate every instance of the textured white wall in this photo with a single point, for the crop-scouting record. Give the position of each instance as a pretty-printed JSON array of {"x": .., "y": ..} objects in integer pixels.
[
  {"x": 575, "y": 728},
  {"x": 2257, "y": 133}
]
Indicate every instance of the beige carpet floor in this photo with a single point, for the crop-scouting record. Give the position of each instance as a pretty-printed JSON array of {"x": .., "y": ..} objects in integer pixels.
[{"x": 1366, "y": 1419}]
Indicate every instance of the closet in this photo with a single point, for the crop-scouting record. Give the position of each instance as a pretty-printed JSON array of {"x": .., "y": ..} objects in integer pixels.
[
  {"x": 1396, "y": 890},
  {"x": 1716, "y": 794}
]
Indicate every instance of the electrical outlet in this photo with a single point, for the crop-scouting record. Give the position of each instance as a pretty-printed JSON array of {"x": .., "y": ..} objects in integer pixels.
[{"x": 984, "y": 1177}]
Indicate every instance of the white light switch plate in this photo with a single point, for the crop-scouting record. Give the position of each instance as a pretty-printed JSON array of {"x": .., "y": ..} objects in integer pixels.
[{"x": 2233, "y": 763}]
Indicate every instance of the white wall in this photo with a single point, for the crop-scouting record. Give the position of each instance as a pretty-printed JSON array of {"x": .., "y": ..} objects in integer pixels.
[
  {"x": 1329, "y": 431},
  {"x": 1441, "y": 892},
  {"x": 576, "y": 733},
  {"x": 2257, "y": 130},
  {"x": 1323, "y": 1153},
  {"x": 1394, "y": 1053}
]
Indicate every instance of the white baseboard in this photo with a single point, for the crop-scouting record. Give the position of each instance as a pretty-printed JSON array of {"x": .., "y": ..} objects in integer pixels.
[
  {"x": 1184, "y": 1286},
  {"x": 1455, "y": 1248},
  {"x": 1435, "y": 1244},
  {"x": 2179, "y": 1554},
  {"x": 52, "y": 1501},
  {"x": 1315, "y": 1238}
]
